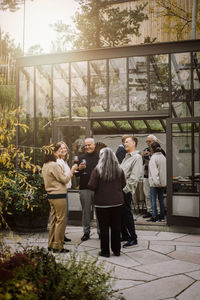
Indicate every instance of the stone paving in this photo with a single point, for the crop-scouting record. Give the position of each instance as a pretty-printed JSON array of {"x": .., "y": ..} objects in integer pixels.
[{"x": 164, "y": 265}]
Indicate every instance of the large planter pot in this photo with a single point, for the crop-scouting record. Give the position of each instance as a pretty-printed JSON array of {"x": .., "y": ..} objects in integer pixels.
[{"x": 31, "y": 223}]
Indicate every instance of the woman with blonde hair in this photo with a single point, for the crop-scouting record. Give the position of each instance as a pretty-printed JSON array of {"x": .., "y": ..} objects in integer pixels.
[
  {"x": 108, "y": 180},
  {"x": 55, "y": 182},
  {"x": 62, "y": 161}
]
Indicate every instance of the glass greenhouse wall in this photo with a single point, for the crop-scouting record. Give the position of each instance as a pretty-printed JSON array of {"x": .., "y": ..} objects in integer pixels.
[{"x": 136, "y": 89}]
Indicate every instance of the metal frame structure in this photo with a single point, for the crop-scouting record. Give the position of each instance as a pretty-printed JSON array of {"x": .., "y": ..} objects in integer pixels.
[{"x": 169, "y": 88}]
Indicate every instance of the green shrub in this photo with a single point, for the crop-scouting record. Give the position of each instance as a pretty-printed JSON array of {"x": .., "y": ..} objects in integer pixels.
[{"x": 35, "y": 274}]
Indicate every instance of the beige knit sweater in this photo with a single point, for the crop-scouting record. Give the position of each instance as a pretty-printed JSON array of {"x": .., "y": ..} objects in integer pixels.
[{"x": 54, "y": 178}]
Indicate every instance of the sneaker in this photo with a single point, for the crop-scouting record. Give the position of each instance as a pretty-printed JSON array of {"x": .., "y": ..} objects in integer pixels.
[
  {"x": 66, "y": 239},
  {"x": 104, "y": 254},
  {"x": 130, "y": 244},
  {"x": 85, "y": 237},
  {"x": 60, "y": 250},
  {"x": 147, "y": 215},
  {"x": 152, "y": 220}
]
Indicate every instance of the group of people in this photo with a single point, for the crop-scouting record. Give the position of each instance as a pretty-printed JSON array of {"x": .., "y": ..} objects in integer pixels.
[{"x": 108, "y": 182}]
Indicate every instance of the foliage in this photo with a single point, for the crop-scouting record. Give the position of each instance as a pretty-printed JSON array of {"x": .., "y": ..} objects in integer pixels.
[
  {"x": 100, "y": 24},
  {"x": 11, "y": 5},
  {"x": 174, "y": 17},
  {"x": 21, "y": 185},
  {"x": 16, "y": 196},
  {"x": 8, "y": 46},
  {"x": 7, "y": 95},
  {"x": 35, "y": 274}
]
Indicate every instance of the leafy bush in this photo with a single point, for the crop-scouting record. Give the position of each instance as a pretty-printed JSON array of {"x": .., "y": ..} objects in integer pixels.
[{"x": 35, "y": 275}]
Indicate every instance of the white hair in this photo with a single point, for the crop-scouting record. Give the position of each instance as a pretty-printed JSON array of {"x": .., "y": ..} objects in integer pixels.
[
  {"x": 153, "y": 137},
  {"x": 90, "y": 140}
]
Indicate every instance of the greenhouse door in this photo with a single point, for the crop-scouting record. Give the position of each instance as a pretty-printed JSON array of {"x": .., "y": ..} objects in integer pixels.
[{"x": 183, "y": 170}]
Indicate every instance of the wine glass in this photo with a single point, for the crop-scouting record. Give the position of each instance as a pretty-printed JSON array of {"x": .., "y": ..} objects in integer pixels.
[
  {"x": 84, "y": 162},
  {"x": 76, "y": 160}
]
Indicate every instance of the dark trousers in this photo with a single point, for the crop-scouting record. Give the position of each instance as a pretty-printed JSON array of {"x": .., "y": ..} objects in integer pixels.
[
  {"x": 110, "y": 218},
  {"x": 128, "y": 224}
]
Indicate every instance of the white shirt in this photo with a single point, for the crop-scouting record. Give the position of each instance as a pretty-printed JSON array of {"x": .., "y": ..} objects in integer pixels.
[{"x": 66, "y": 169}]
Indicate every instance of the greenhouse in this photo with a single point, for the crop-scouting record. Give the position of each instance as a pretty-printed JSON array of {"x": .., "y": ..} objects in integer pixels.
[{"x": 105, "y": 93}]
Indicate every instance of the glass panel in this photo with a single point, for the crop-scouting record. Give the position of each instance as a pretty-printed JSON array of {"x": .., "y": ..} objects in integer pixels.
[
  {"x": 61, "y": 91},
  {"x": 79, "y": 89},
  {"x": 185, "y": 206},
  {"x": 98, "y": 98},
  {"x": 159, "y": 82},
  {"x": 186, "y": 179},
  {"x": 26, "y": 101},
  {"x": 108, "y": 124},
  {"x": 117, "y": 84},
  {"x": 196, "y": 76},
  {"x": 43, "y": 105},
  {"x": 124, "y": 125},
  {"x": 137, "y": 83},
  {"x": 155, "y": 125},
  {"x": 181, "y": 84},
  {"x": 140, "y": 125}
]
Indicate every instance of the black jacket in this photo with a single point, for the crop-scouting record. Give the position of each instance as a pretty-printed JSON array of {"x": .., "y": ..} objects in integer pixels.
[
  {"x": 121, "y": 153},
  {"x": 91, "y": 162}
]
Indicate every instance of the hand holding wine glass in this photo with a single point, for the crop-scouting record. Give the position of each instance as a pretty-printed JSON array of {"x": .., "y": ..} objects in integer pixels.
[
  {"x": 83, "y": 161},
  {"x": 76, "y": 160}
]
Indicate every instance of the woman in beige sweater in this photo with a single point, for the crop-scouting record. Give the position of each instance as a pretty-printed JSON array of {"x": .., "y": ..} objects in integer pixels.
[{"x": 55, "y": 182}]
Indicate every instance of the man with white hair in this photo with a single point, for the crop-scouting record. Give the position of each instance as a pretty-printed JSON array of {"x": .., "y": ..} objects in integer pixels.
[
  {"x": 87, "y": 162},
  {"x": 146, "y": 155}
]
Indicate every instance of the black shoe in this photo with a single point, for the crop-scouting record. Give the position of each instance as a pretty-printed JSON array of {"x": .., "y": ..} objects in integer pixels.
[
  {"x": 104, "y": 254},
  {"x": 130, "y": 244},
  {"x": 60, "y": 250},
  {"x": 85, "y": 237},
  {"x": 66, "y": 239},
  {"x": 147, "y": 215},
  {"x": 152, "y": 220},
  {"x": 50, "y": 249},
  {"x": 116, "y": 253}
]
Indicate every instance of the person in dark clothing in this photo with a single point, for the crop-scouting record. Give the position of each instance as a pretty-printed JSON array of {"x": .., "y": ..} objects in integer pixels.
[
  {"x": 120, "y": 154},
  {"x": 121, "y": 151},
  {"x": 87, "y": 162},
  {"x": 108, "y": 181}
]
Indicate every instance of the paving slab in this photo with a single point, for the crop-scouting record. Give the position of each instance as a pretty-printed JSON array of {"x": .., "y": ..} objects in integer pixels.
[
  {"x": 164, "y": 249},
  {"x": 168, "y": 268},
  {"x": 159, "y": 289},
  {"x": 146, "y": 257},
  {"x": 127, "y": 273},
  {"x": 192, "y": 292},
  {"x": 190, "y": 238},
  {"x": 195, "y": 275},
  {"x": 164, "y": 265},
  {"x": 186, "y": 256}
]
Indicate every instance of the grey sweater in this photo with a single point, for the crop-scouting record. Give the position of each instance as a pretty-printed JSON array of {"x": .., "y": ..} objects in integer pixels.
[{"x": 157, "y": 170}]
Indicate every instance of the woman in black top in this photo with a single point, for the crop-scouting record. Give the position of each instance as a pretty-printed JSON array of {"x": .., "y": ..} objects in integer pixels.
[{"x": 108, "y": 180}]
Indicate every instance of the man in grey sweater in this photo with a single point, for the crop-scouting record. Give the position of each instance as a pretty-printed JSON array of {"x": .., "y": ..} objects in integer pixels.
[{"x": 132, "y": 167}]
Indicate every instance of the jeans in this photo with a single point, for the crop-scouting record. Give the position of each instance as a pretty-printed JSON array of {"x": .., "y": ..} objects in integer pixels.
[{"x": 154, "y": 191}]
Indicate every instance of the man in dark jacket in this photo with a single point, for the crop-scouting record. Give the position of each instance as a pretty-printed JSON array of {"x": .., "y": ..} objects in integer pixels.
[
  {"x": 87, "y": 162},
  {"x": 121, "y": 151}
]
